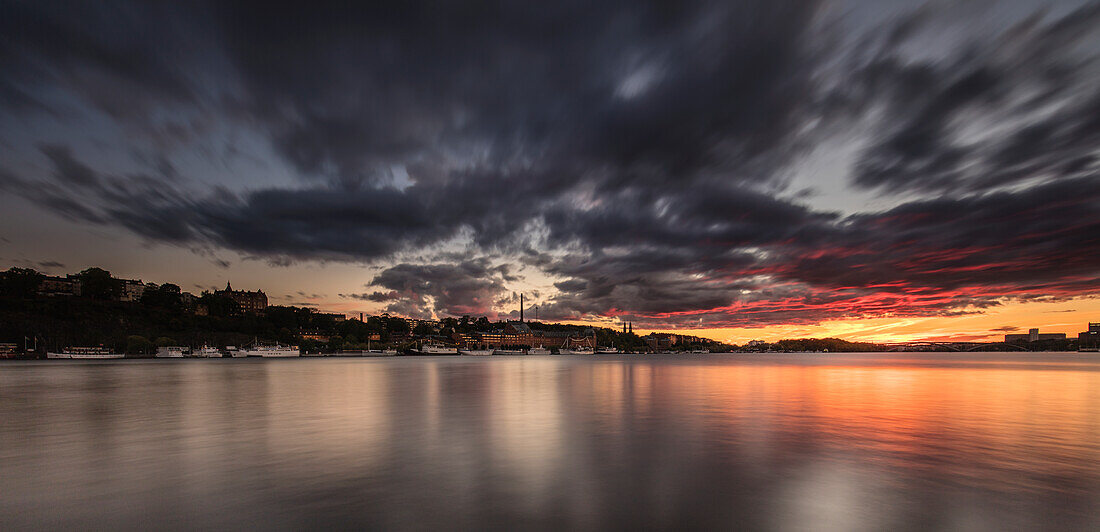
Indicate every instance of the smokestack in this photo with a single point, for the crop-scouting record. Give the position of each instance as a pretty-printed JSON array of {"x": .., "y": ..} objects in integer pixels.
[
  {"x": 360, "y": 316},
  {"x": 631, "y": 327},
  {"x": 521, "y": 308}
]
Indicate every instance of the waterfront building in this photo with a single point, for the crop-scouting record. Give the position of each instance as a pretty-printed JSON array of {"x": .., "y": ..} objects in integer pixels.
[
  {"x": 1089, "y": 339},
  {"x": 129, "y": 290},
  {"x": 521, "y": 334},
  {"x": 249, "y": 302},
  {"x": 1033, "y": 335},
  {"x": 661, "y": 341},
  {"x": 60, "y": 286}
]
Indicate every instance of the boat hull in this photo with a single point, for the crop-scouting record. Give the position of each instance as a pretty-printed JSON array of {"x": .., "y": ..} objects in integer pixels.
[
  {"x": 475, "y": 352},
  {"x": 575, "y": 352},
  {"x": 80, "y": 356},
  {"x": 436, "y": 351},
  {"x": 84, "y": 354},
  {"x": 276, "y": 354}
]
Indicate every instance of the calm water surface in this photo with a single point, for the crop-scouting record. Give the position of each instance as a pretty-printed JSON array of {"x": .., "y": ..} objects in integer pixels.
[{"x": 786, "y": 442}]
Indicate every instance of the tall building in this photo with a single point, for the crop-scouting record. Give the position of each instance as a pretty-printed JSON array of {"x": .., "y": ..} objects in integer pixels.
[
  {"x": 60, "y": 286},
  {"x": 251, "y": 302},
  {"x": 1089, "y": 339},
  {"x": 130, "y": 290},
  {"x": 1033, "y": 336}
]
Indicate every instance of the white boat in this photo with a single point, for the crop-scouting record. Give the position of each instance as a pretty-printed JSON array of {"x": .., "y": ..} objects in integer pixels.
[
  {"x": 432, "y": 349},
  {"x": 234, "y": 352},
  {"x": 509, "y": 352},
  {"x": 700, "y": 351},
  {"x": 540, "y": 350},
  {"x": 275, "y": 351},
  {"x": 92, "y": 353},
  {"x": 577, "y": 351},
  {"x": 607, "y": 351},
  {"x": 171, "y": 351},
  {"x": 207, "y": 352},
  {"x": 475, "y": 352},
  {"x": 380, "y": 353}
]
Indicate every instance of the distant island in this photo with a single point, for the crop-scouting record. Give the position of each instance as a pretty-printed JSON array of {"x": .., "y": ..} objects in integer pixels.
[{"x": 93, "y": 308}]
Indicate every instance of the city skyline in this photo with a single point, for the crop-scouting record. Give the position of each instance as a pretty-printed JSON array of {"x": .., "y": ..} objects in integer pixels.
[
  {"x": 130, "y": 290},
  {"x": 872, "y": 171}
]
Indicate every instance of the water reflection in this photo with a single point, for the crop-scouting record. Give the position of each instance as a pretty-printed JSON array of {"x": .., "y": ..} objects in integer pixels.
[{"x": 975, "y": 441}]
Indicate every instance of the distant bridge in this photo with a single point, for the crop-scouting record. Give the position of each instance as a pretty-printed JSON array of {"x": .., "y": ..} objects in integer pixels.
[{"x": 952, "y": 346}]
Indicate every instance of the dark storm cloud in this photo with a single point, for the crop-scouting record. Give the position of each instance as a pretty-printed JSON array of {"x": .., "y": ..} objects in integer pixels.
[
  {"x": 67, "y": 169},
  {"x": 124, "y": 58},
  {"x": 639, "y": 88},
  {"x": 937, "y": 257},
  {"x": 636, "y": 153},
  {"x": 466, "y": 288},
  {"x": 996, "y": 110}
]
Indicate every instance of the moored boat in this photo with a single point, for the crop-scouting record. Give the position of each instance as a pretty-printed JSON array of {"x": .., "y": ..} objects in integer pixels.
[
  {"x": 540, "y": 350},
  {"x": 171, "y": 351},
  {"x": 509, "y": 352},
  {"x": 207, "y": 352},
  {"x": 576, "y": 351},
  {"x": 607, "y": 351},
  {"x": 475, "y": 352},
  {"x": 435, "y": 349},
  {"x": 275, "y": 351},
  {"x": 232, "y": 351},
  {"x": 92, "y": 353}
]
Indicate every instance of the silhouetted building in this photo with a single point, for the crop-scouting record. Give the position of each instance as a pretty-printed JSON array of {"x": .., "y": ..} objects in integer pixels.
[
  {"x": 188, "y": 300},
  {"x": 1089, "y": 339},
  {"x": 130, "y": 290},
  {"x": 60, "y": 286},
  {"x": 1033, "y": 336},
  {"x": 252, "y": 302},
  {"x": 521, "y": 334},
  {"x": 661, "y": 340}
]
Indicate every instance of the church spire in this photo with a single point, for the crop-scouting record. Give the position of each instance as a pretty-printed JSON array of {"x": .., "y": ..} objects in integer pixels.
[{"x": 228, "y": 288}]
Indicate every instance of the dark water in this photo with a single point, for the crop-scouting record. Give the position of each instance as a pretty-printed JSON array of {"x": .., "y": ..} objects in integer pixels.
[{"x": 787, "y": 442}]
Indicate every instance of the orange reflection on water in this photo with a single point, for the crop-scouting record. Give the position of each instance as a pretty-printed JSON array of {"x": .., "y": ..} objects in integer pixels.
[
  {"x": 839, "y": 441},
  {"x": 1030, "y": 429}
]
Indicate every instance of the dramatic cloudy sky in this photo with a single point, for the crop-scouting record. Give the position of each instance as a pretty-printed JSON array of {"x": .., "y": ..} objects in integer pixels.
[{"x": 873, "y": 169}]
